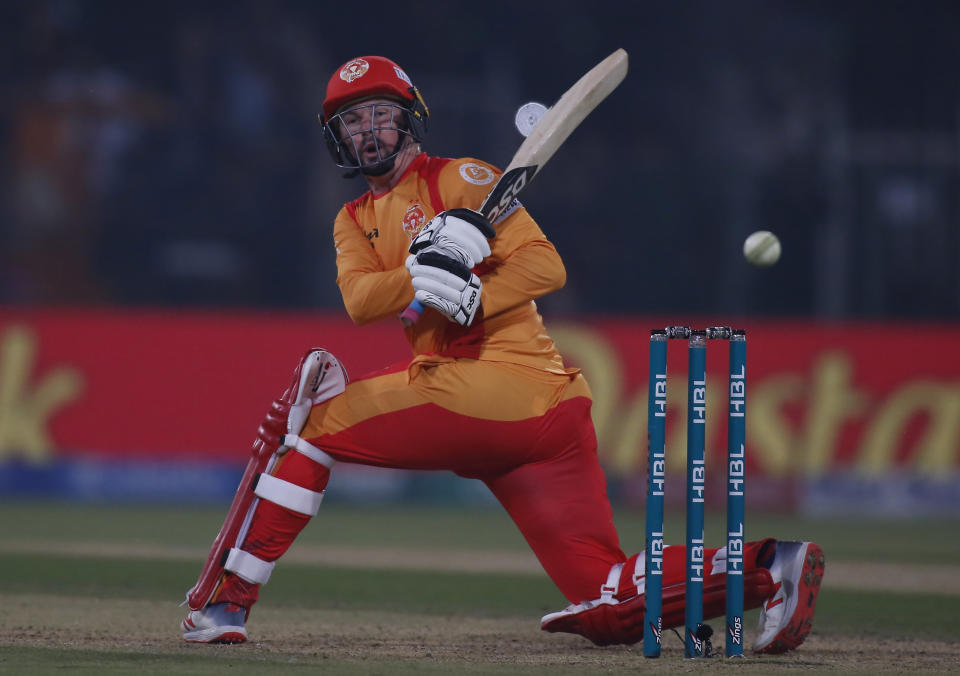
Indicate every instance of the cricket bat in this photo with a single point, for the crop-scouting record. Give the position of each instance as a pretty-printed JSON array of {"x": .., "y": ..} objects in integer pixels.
[{"x": 544, "y": 140}]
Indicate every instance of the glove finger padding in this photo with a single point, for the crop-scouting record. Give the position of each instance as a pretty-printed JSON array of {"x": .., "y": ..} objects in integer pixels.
[
  {"x": 427, "y": 284},
  {"x": 433, "y": 262},
  {"x": 460, "y": 234},
  {"x": 446, "y": 285},
  {"x": 434, "y": 278},
  {"x": 474, "y": 218}
]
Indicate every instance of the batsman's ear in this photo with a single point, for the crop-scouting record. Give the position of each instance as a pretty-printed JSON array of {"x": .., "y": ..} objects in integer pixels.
[{"x": 476, "y": 219}]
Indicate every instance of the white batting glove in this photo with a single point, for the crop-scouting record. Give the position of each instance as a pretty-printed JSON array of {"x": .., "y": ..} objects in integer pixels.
[
  {"x": 446, "y": 285},
  {"x": 460, "y": 234}
]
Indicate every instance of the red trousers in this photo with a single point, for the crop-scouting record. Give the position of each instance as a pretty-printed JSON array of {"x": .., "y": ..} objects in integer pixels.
[{"x": 527, "y": 434}]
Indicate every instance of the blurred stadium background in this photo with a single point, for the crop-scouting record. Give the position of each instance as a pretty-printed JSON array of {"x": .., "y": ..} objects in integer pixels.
[{"x": 166, "y": 206}]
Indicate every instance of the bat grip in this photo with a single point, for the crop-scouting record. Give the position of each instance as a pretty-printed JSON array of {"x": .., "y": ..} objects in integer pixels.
[{"x": 410, "y": 316}]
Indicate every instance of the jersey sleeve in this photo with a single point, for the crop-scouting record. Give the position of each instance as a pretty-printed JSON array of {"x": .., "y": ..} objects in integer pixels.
[
  {"x": 524, "y": 265},
  {"x": 466, "y": 182},
  {"x": 369, "y": 292}
]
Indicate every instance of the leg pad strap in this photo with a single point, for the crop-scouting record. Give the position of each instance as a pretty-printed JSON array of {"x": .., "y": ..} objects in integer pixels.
[
  {"x": 289, "y": 495},
  {"x": 303, "y": 447},
  {"x": 248, "y": 566}
]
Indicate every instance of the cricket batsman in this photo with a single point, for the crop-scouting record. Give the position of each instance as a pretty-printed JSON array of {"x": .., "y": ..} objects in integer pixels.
[{"x": 486, "y": 394}]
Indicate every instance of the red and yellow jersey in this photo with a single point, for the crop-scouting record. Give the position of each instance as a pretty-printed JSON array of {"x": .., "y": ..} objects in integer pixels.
[{"x": 372, "y": 235}]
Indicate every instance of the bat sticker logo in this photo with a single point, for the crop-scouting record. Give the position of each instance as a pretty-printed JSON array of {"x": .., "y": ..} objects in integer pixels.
[{"x": 506, "y": 191}]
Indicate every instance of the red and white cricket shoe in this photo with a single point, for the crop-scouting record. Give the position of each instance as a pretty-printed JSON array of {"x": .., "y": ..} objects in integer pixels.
[
  {"x": 216, "y": 623},
  {"x": 787, "y": 616}
]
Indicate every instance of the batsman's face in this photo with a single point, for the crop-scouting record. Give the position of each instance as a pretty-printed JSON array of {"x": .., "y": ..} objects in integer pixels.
[{"x": 371, "y": 129}]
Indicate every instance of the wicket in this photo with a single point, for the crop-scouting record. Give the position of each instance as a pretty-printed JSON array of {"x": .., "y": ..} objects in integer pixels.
[{"x": 696, "y": 487}]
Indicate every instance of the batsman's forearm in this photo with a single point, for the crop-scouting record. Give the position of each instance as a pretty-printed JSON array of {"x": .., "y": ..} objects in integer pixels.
[
  {"x": 371, "y": 296},
  {"x": 530, "y": 272}
]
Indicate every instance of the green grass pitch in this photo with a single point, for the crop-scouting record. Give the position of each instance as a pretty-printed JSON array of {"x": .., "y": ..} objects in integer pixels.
[{"x": 94, "y": 589}]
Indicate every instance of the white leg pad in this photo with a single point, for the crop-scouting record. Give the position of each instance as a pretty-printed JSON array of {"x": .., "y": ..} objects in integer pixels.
[
  {"x": 286, "y": 494},
  {"x": 248, "y": 566}
]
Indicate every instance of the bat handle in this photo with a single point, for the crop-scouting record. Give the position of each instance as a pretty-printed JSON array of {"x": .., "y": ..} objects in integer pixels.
[{"x": 410, "y": 316}]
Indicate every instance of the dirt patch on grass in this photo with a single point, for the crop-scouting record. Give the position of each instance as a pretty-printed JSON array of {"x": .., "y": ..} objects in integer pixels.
[{"x": 368, "y": 638}]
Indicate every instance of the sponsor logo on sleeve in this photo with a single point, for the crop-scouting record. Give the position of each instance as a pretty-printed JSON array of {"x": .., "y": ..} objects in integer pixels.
[
  {"x": 354, "y": 70},
  {"x": 476, "y": 173}
]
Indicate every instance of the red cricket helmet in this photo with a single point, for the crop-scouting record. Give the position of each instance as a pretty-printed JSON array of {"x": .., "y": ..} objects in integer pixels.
[{"x": 369, "y": 77}]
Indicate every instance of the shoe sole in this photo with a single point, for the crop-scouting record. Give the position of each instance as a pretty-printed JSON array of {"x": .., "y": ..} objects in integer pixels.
[
  {"x": 225, "y": 635},
  {"x": 801, "y": 622}
]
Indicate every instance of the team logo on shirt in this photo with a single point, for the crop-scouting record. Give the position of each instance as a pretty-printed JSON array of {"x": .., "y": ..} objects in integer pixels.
[
  {"x": 413, "y": 220},
  {"x": 353, "y": 70},
  {"x": 476, "y": 173}
]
